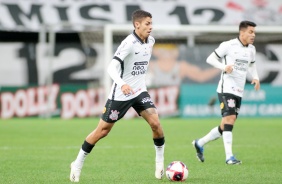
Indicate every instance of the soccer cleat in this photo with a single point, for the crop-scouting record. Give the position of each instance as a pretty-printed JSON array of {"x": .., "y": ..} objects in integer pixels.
[
  {"x": 233, "y": 161},
  {"x": 199, "y": 150},
  {"x": 159, "y": 170},
  {"x": 75, "y": 173}
]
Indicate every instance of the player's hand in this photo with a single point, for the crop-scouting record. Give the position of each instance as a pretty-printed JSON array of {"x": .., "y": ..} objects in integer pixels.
[
  {"x": 228, "y": 68},
  {"x": 256, "y": 83},
  {"x": 127, "y": 90}
]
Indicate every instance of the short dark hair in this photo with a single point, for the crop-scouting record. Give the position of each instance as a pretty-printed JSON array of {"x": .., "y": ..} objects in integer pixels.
[
  {"x": 245, "y": 24},
  {"x": 140, "y": 14}
]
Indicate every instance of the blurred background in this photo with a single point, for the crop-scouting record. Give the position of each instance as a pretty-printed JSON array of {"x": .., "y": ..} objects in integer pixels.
[{"x": 54, "y": 54}]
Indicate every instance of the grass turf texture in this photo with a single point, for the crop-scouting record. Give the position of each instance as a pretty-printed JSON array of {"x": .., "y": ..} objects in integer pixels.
[{"x": 40, "y": 151}]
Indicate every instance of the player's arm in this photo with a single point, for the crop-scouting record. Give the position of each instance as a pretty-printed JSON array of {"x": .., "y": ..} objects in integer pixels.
[
  {"x": 214, "y": 60},
  {"x": 114, "y": 69},
  {"x": 254, "y": 74}
]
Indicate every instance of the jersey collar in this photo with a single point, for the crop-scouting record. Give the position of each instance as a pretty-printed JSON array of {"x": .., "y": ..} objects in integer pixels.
[
  {"x": 242, "y": 43},
  {"x": 139, "y": 39}
]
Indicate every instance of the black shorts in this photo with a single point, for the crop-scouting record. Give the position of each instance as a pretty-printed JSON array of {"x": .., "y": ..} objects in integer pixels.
[
  {"x": 115, "y": 110},
  {"x": 229, "y": 104}
]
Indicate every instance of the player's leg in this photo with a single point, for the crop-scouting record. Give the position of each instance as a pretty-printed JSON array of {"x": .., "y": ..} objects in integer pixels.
[
  {"x": 146, "y": 108},
  {"x": 101, "y": 131},
  {"x": 229, "y": 108},
  {"x": 110, "y": 115},
  {"x": 151, "y": 116},
  {"x": 227, "y": 124},
  {"x": 212, "y": 135}
]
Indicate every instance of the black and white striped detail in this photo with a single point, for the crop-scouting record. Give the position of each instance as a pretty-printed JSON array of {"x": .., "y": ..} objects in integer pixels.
[{"x": 121, "y": 74}]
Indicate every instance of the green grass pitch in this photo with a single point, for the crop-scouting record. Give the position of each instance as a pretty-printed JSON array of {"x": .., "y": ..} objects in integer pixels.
[{"x": 35, "y": 151}]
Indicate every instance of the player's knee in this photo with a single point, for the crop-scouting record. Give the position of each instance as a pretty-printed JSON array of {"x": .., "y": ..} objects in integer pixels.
[
  {"x": 230, "y": 119},
  {"x": 155, "y": 125},
  {"x": 104, "y": 133}
]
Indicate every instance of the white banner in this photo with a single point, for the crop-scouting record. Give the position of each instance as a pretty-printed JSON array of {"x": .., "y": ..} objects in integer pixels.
[{"x": 30, "y": 15}]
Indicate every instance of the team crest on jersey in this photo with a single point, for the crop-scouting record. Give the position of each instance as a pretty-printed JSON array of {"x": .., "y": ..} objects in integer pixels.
[
  {"x": 221, "y": 105},
  {"x": 114, "y": 115},
  {"x": 145, "y": 53},
  {"x": 231, "y": 103}
]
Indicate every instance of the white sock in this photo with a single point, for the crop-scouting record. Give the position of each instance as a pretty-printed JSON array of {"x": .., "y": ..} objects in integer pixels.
[
  {"x": 80, "y": 158},
  {"x": 212, "y": 135},
  {"x": 159, "y": 153},
  {"x": 227, "y": 140}
]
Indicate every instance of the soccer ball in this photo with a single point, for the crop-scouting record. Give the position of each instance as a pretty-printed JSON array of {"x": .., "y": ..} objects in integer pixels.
[{"x": 177, "y": 171}]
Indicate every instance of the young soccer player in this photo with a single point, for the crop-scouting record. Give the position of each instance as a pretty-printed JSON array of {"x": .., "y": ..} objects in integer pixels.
[
  {"x": 128, "y": 69},
  {"x": 235, "y": 58}
]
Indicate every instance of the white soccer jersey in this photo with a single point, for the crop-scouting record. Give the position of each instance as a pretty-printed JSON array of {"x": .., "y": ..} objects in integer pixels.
[
  {"x": 134, "y": 56},
  {"x": 240, "y": 56}
]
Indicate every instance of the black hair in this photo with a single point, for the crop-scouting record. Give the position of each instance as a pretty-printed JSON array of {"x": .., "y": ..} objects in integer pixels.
[
  {"x": 140, "y": 14},
  {"x": 245, "y": 24}
]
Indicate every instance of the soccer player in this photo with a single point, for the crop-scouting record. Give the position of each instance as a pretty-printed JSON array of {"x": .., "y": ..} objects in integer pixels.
[
  {"x": 128, "y": 69},
  {"x": 235, "y": 58}
]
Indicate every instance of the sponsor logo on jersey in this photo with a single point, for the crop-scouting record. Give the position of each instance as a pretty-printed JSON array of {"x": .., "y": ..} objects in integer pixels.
[
  {"x": 114, "y": 115},
  {"x": 221, "y": 105},
  {"x": 241, "y": 61},
  {"x": 141, "y": 63},
  {"x": 127, "y": 95},
  {"x": 231, "y": 103},
  {"x": 147, "y": 99},
  {"x": 237, "y": 89},
  {"x": 138, "y": 70},
  {"x": 104, "y": 110},
  {"x": 241, "y": 65}
]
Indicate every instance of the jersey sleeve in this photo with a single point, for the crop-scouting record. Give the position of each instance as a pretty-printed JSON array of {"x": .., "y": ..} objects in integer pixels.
[
  {"x": 152, "y": 39},
  {"x": 254, "y": 55},
  {"x": 222, "y": 49},
  {"x": 124, "y": 49}
]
